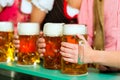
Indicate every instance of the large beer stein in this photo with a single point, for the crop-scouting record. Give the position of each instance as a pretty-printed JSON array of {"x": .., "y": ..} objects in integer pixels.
[
  {"x": 53, "y": 37},
  {"x": 6, "y": 45},
  {"x": 69, "y": 35},
  {"x": 28, "y": 35}
]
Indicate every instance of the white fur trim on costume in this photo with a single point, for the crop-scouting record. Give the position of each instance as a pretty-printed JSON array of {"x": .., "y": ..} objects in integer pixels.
[
  {"x": 72, "y": 11},
  {"x": 10, "y": 2},
  {"x": 5, "y": 3},
  {"x": 26, "y": 7},
  {"x": 44, "y": 5}
]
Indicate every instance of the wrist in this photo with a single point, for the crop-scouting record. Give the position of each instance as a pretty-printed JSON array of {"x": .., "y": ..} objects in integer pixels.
[
  {"x": 91, "y": 56},
  {"x": 97, "y": 56}
]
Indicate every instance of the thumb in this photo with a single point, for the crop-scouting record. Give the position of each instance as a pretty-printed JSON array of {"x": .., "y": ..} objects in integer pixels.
[{"x": 41, "y": 34}]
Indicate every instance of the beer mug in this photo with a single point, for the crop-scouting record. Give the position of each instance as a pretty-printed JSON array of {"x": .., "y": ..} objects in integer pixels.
[
  {"x": 6, "y": 45},
  {"x": 69, "y": 35},
  {"x": 28, "y": 35},
  {"x": 53, "y": 38}
]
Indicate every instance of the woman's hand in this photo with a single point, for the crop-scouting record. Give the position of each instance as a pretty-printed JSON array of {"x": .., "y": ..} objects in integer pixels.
[
  {"x": 69, "y": 52},
  {"x": 41, "y": 44},
  {"x": 86, "y": 53}
]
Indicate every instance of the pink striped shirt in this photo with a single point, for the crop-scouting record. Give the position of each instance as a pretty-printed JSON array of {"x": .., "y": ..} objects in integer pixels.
[{"x": 111, "y": 18}]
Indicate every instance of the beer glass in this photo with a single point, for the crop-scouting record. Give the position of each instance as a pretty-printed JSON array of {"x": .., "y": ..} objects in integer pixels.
[
  {"x": 69, "y": 35},
  {"x": 53, "y": 37},
  {"x": 28, "y": 35},
  {"x": 6, "y": 45}
]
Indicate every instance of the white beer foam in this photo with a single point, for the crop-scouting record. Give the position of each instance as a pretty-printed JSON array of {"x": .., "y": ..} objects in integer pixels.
[
  {"x": 6, "y": 27},
  {"x": 73, "y": 29},
  {"x": 28, "y": 28},
  {"x": 53, "y": 29}
]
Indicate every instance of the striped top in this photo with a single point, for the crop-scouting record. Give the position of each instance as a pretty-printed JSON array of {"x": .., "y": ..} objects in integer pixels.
[{"x": 111, "y": 18}]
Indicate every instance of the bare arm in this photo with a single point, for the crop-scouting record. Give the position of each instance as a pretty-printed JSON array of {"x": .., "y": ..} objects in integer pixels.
[
  {"x": 70, "y": 53},
  {"x": 108, "y": 58},
  {"x": 37, "y": 15},
  {"x": 74, "y": 3},
  {"x": 40, "y": 9}
]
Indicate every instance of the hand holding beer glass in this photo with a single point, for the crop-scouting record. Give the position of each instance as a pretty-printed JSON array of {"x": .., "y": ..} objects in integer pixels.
[
  {"x": 53, "y": 38},
  {"x": 70, "y": 32},
  {"x": 28, "y": 35},
  {"x": 6, "y": 45}
]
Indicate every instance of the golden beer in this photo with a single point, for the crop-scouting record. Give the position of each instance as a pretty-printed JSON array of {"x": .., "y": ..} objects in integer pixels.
[
  {"x": 6, "y": 45},
  {"x": 69, "y": 35},
  {"x": 28, "y": 35},
  {"x": 53, "y": 38}
]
